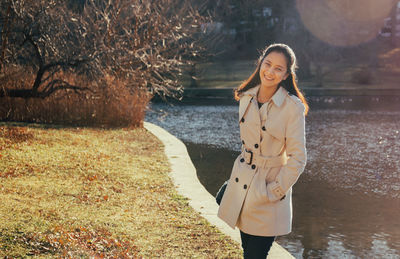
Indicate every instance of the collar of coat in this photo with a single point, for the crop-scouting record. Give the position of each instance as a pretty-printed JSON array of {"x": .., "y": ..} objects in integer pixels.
[{"x": 248, "y": 95}]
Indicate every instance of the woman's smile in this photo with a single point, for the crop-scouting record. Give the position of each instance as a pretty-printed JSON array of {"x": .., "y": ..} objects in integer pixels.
[
  {"x": 273, "y": 69},
  {"x": 268, "y": 78}
]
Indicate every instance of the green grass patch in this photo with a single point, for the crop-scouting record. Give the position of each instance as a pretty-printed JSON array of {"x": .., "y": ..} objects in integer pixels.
[{"x": 86, "y": 192}]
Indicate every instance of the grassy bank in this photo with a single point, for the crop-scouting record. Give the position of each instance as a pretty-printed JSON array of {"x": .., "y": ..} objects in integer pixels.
[{"x": 83, "y": 192}]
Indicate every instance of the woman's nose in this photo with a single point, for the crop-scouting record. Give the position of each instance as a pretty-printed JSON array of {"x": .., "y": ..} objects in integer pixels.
[{"x": 270, "y": 71}]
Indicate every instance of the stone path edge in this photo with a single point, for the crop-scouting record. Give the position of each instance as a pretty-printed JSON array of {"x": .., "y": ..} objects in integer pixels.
[{"x": 184, "y": 177}]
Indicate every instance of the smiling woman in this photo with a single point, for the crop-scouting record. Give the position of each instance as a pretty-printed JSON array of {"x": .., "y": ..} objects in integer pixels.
[
  {"x": 258, "y": 197},
  {"x": 277, "y": 65},
  {"x": 272, "y": 72}
]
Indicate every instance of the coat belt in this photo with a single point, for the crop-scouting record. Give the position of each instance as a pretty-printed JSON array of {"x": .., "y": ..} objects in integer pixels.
[{"x": 262, "y": 161}]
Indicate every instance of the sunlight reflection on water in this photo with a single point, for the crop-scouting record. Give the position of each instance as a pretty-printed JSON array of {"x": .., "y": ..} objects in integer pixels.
[{"x": 351, "y": 148}]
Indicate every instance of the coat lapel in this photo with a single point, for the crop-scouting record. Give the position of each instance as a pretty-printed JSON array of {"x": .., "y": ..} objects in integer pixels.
[
  {"x": 243, "y": 105},
  {"x": 245, "y": 100}
]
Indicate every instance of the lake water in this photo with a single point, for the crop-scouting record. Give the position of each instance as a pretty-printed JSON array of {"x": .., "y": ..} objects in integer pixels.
[{"x": 347, "y": 201}]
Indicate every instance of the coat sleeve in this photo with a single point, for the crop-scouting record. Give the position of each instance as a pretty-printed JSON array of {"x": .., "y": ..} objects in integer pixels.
[{"x": 297, "y": 156}]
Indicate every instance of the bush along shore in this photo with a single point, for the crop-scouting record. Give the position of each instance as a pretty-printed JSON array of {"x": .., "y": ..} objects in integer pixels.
[{"x": 88, "y": 192}]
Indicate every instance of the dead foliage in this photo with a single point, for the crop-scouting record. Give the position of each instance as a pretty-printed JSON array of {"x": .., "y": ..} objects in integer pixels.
[
  {"x": 72, "y": 242},
  {"x": 111, "y": 104}
]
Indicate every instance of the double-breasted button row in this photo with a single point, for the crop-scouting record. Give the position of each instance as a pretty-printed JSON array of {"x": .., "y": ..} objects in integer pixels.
[
  {"x": 252, "y": 166},
  {"x": 237, "y": 180},
  {"x": 255, "y": 145}
]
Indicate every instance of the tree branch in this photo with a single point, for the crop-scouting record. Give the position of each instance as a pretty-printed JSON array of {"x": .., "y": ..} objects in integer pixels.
[
  {"x": 72, "y": 63},
  {"x": 51, "y": 87},
  {"x": 28, "y": 38},
  {"x": 58, "y": 84}
]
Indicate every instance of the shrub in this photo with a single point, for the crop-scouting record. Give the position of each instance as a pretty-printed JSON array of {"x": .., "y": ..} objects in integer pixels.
[{"x": 111, "y": 102}]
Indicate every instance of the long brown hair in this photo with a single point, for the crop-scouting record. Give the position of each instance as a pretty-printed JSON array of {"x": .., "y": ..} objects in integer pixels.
[{"x": 289, "y": 83}]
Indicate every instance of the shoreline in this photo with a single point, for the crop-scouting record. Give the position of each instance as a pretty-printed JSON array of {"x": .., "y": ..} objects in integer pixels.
[
  {"x": 351, "y": 98},
  {"x": 320, "y": 91}
]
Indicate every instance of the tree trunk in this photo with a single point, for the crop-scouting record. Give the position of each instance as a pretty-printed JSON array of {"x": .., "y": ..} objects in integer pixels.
[
  {"x": 318, "y": 75},
  {"x": 393, "y": 24},
  {"x": 4, "y": 34}
]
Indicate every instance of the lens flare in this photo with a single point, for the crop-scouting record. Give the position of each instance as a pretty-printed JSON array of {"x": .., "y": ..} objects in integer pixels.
[{"x": 344, "y": 22}]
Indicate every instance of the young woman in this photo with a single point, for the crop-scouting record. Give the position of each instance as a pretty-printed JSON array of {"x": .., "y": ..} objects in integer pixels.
[{"x": 258, "y": 198}]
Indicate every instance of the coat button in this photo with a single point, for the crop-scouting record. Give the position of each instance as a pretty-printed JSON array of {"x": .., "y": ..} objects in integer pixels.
[
  {"x": 237, "y": 179},
  {"x": 253, "y": 166},
  {"x": 242, "y": 120},
  {"x": 256, "y": 145},
  {"x": 241, "y": 160},
  {"x": 243, "y": 142},
  {"x": 245, "y": 186},
  {"x": 263, "y": 128}
]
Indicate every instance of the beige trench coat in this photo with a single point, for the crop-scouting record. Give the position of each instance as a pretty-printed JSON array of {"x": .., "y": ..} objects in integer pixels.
[{"x": 258, "y": 198}]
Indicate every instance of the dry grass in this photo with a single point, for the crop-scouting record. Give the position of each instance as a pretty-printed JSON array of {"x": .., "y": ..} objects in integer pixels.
[
  {"x": 110, "y": 103},
  {"x": 82, "y": 192}
]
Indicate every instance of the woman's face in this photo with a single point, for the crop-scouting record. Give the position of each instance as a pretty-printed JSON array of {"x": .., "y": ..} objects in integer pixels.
[{"x": 273, "y": 69}]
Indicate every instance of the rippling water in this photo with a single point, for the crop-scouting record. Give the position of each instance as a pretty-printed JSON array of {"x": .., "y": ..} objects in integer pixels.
[
  {"x": 346, "y": 203},
  {"x": 349, "y": 148}
]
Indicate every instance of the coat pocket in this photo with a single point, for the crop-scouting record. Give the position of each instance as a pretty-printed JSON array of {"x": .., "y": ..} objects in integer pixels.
[{"x": 258, "y": 193}]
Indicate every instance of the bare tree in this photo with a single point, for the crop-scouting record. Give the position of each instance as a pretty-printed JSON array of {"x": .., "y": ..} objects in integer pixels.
[{"x": 143, "y": 42}]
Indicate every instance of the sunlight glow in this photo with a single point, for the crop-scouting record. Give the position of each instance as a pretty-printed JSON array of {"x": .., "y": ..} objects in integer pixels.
[{"x": 344, "y": 22}]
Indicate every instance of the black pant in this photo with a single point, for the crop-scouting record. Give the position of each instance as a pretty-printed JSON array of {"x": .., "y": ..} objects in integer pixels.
[{"x": 255, "y": 247}]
